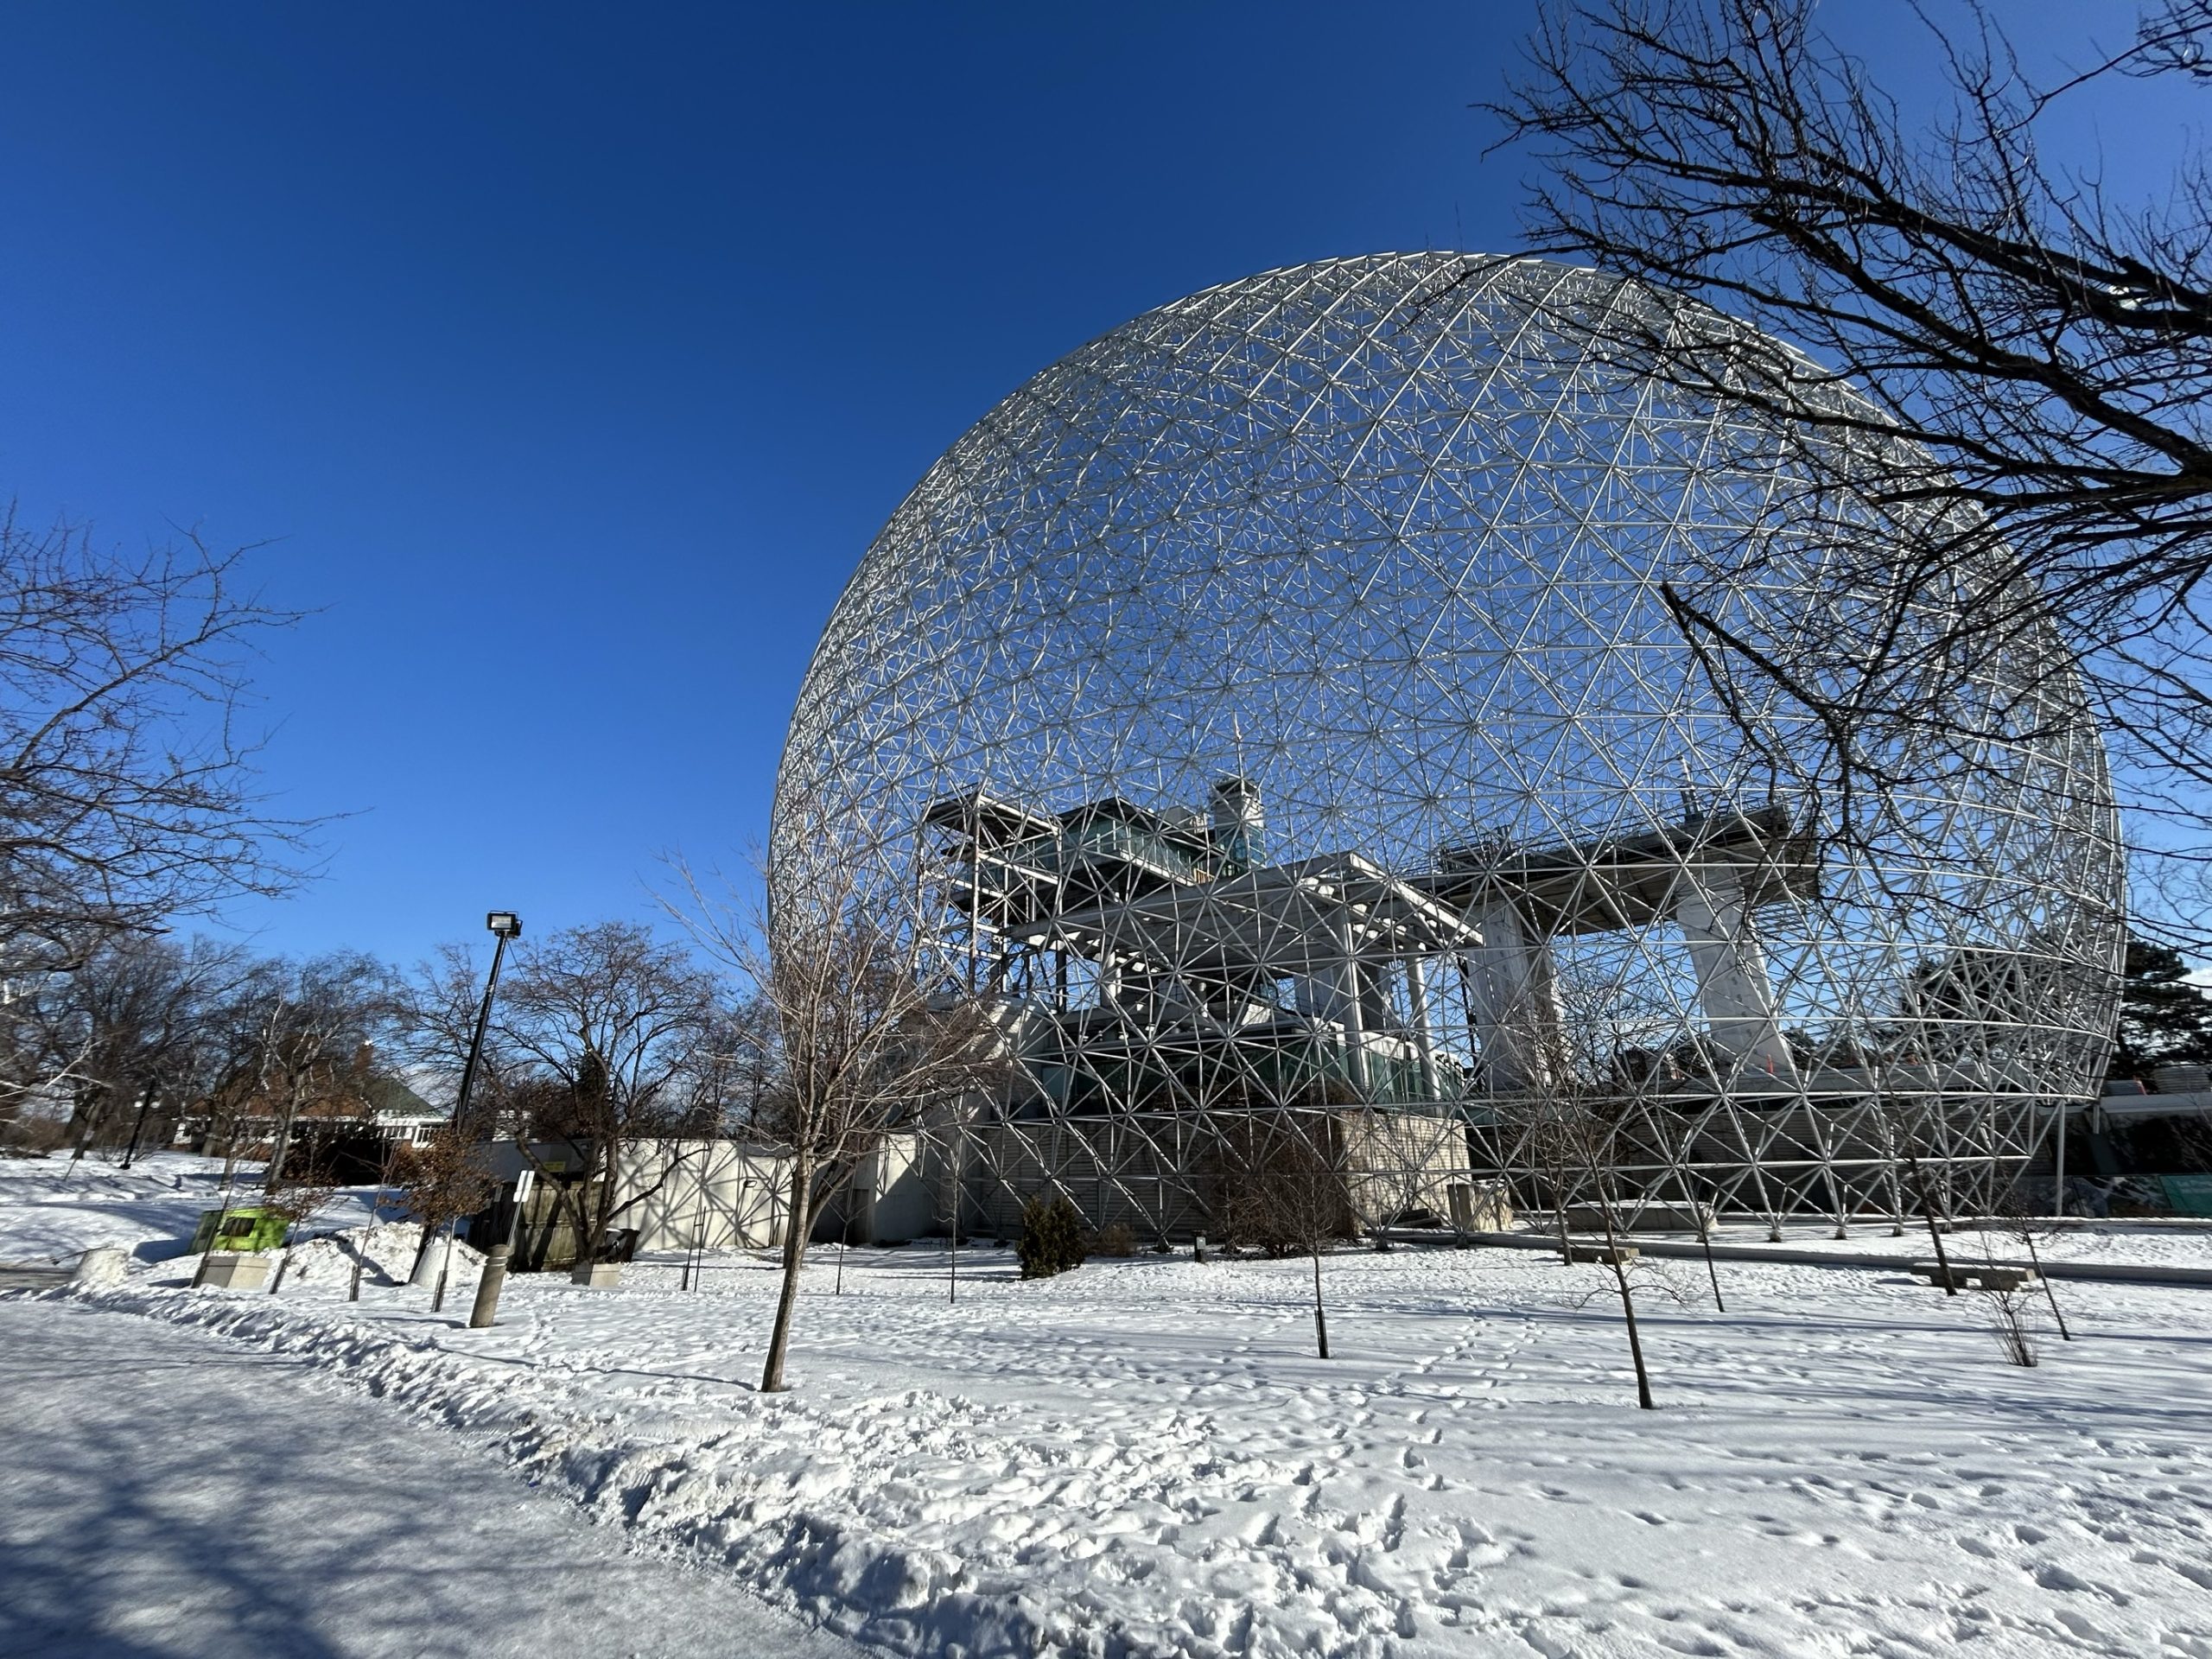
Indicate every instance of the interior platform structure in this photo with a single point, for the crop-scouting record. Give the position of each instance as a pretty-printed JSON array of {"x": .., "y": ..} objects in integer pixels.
[{"x": 1181, "y": 1004}]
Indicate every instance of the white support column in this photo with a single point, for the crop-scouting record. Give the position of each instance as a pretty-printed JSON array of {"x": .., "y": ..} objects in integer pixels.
[
  {"x": 1423, "y": 1021},
  {"x": 1732, "y": 986},
  {"x": 1352, "y": 1015},
  {"x": 1513, "y": 999}
]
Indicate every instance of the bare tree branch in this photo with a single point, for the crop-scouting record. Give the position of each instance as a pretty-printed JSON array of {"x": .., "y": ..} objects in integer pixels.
[
  {"x": 2021, "y": 356},
  {"x": 127, "y": 792}
]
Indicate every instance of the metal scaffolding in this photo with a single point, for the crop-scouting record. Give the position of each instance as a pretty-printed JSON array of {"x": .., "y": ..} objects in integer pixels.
[{"x": 1271, "y": 712}]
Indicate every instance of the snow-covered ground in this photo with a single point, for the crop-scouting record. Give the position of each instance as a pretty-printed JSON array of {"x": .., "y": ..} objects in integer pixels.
[
  {"x": 2162, "y": 1244},
  {"x": 51, "y": 1208},
  {"x": 1146, "y": 1456},
  {"x": 168, "y": 1493}
]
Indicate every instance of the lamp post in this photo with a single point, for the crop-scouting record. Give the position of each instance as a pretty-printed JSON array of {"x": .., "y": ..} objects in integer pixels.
[
  {"x": 505, "y": 925},
  {"x": 139, "y": 1124}
]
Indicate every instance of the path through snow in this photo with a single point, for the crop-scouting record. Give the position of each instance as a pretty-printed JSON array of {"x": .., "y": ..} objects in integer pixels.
[{"x": 166, "y": 1493}]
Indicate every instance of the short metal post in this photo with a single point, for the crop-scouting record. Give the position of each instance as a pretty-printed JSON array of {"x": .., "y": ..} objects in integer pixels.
[{"x": 485, "y": 1312}]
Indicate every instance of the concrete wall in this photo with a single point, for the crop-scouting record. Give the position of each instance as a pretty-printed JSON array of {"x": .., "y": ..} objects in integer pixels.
[
  {"x": 1400, "y": 1166},
  {"x": 1138, "y": 1171},
  {"x": 1160, "y": 1174},
  {"x": 714, "y": 1195},
  {"x": 887, "y": 1196}
]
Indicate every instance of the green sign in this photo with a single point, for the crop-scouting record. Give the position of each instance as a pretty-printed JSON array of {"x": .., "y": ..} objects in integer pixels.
[{"x": 249, "y": 1229}]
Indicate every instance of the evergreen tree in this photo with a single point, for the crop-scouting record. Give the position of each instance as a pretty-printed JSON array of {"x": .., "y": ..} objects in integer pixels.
[{"x": 2162, "y": 1016}]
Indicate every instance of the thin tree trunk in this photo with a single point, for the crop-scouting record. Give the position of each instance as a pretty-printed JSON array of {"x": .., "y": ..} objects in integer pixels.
[
  {"x": 695, "y": 1252},
  {"x": 1320, "y": 1319},
  {"x": 1705, "y": 1237},
  {"x": 2050, "y": 1294},
  {"x": 137, "y": 1127},
  {"x": 1627, "y": 1301},
  {"x": 952, "y": 1292},
  {"x": 1635, "y": 1341},
  {"x": 779, "y": 1334},
  {"x": 593, "y": 1210},
  {"x": 1928, "y": 1213},
  {"x": 283, "y": 1145},
  {"x": 94, "y": 1115}
]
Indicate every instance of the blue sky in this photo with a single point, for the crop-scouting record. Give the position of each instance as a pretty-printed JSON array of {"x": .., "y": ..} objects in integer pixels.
[{"x": 568, "y": 357}]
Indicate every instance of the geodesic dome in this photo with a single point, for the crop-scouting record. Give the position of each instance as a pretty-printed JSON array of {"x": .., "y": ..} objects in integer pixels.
[{"x": 1272, "y": 704}]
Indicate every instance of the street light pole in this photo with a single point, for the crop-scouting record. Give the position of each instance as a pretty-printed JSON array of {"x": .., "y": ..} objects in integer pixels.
[
  {"x": 138, "y": 1126},
  {"x": 505, "y": 925}
]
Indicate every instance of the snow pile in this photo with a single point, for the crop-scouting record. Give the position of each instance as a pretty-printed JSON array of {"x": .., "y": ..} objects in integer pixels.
[
  {"x": 1145, "y": 1458},
  {"x": 386, "y": 1249}
]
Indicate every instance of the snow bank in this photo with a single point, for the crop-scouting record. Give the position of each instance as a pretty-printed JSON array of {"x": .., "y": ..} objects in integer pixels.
[{"x": 387, "y": 1248}]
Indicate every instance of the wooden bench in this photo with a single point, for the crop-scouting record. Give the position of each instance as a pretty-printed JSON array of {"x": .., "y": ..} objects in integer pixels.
[{"x": 1980, "y": 1275}]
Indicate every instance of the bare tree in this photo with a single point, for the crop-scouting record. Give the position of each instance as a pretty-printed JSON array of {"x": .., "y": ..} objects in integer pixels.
[
  {"x": 2009, "y": 1305},
  {"x": 859, "y": 1038},
  {"x": 1287, "y": 1192},
  {"x": 127, "y": 792},
  {"x": 603, "y": 1027},
  {"x": 1905, "y": 1119},
  {"x": 122, "y": 1031},
  {"x": 1574, "y": 1143},
  {"x": 304, "y": 1037},
  {"x": 299, "y": 1196},
  {"x": 442, "y": 1179},
  {"x": 435, "y": 1023},
  {"x": 1569, "y": 1127},
  {"x": 2010, "y": 1302},
  {"x": 2023, "y": 352},
  {"x": 2016, "y": 1215}
]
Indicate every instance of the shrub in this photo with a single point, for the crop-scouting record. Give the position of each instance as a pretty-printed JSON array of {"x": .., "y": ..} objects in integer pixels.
[
  {"x": 1052, "y": 1238},
  {"x": 1115, "y": 1239}
]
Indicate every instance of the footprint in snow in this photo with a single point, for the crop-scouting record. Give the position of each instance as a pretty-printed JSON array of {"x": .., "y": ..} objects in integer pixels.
[{"x": 2086, "y": 1629}]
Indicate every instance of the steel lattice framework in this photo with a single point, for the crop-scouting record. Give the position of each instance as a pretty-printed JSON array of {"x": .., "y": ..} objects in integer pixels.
[{"x": 1271, "y": 712}]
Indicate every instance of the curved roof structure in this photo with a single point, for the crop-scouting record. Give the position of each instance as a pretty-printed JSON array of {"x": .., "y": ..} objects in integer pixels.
[{"x": 1292, "y": 664}]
